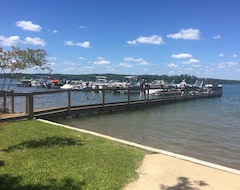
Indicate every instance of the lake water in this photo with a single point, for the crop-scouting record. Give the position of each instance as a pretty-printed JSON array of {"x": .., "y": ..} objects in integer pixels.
[{"x": 206, "y": 129}]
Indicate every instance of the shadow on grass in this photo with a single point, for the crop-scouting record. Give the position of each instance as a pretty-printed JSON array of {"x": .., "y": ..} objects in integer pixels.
[
  {"x": 186, "y": 184},
  {"x": 47, "y": 142},
  {"x": 8, "y": 182},
  {"x": 2, "y": 163}
]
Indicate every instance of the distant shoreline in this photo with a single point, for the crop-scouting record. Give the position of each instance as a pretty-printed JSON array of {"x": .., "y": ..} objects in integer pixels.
[{"x": 87, "y": 77}]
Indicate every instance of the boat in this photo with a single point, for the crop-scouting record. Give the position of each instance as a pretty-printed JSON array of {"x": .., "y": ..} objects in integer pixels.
[
  {"x": 101, "y": 83},
  {"x": 129, "y": 83},
  {"x": 35, "y": 83},
  {"x": 157, "y": 87},
  {"x": 25, "y": 81},
  {"x": 74, "y": 84},
  {"x": 211, "y": 88}
]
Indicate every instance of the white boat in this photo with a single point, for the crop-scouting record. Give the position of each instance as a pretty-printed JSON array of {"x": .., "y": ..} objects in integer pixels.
[
  {"x": 25, "y": 81},
  {"x": 158, "y": 87},
  {"x": 35, "y": 83},
  {"x": 131, "y": 83},
  {"x": 74, "y": 84},
  {"x": 155, "y": 91},
  {"x": 101, "y": 82}
]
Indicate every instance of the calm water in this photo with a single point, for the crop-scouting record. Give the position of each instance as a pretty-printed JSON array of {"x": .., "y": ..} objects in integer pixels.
[{"x": 206, "y": 129}]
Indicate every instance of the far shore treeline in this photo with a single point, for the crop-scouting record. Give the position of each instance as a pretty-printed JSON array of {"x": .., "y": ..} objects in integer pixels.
[{"x": 91, "y": 77}]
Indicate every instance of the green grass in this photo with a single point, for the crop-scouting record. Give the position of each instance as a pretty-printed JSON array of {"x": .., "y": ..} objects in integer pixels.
[{"x": 36, "y": 155}]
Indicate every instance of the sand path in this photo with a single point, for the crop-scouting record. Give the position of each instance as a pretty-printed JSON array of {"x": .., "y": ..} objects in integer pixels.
[{"x": 162, "y": 172}]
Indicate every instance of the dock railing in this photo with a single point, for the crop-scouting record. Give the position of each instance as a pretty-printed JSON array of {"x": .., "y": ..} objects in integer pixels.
[{"x": 68, "y": 102}]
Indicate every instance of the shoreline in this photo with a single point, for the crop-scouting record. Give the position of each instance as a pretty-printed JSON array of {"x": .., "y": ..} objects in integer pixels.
[
  {"x": 150, "y": 149},
  {"x": 166, "y": 170}
]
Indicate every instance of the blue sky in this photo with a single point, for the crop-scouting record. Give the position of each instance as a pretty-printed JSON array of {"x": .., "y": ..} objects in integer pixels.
[{"x": 131, "y": 37}]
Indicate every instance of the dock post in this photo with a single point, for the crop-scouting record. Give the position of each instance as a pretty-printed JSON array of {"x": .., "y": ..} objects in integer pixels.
[
  {"x": 69, "y": 102},
  {"x": 103, "y": 98},
  {"x": 12, "y": 102},
  {"x": 4, "y": 103},
  {"x": 148, "y": 93},
  {"x": 163, "y": 92},
  {"x": 128, "y": 97},
  {"x": 29, "y": 105}
]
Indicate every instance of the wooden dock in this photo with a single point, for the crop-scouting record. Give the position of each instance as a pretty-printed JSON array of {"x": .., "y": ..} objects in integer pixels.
[{"x": 32, "y": 103}]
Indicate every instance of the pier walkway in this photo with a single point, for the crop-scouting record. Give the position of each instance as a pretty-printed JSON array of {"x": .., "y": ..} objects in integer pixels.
[{"x": 44, "y": 104}]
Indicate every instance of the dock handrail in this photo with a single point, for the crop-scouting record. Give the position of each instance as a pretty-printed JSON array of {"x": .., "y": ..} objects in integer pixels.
[{"x": 31, "y": 102}]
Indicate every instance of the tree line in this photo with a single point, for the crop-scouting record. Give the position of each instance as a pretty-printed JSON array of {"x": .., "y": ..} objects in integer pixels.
[{"x": 120, "y": 77}]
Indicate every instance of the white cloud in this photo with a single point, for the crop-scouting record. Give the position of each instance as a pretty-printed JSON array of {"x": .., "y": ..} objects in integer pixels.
[
  {"x": 52, "y": 58},
  {"x": 221, "y": 55},
  {"x": 131, "y": 59},
  {"x": 69, "y": 43},
  {"x": 172, "y": 65},
  {"x": 10, "y": 41},
  {"x": 186, "y": 34},
  {"x": 82, "y": 58},
  {"x": 15, "y": 40},
  {"x": 154, "y": 39},
  {"x": 125, "y": 65},
  {"x": 217, "y": 37},
  {"x": 233, "y": 55},
  {"x": 181, "y": 56},
  {"x": 53, "y": 31},
  {"x": 34, "y": 41},
  {"x": 52, "y": 64},
  {"x": 85, "y": 44},
  {"x": 143, "y": 62},
  {"x": 101, "y": 61},
  {"x": 138, "y": 61},
  {"x": 133, "y": 42},
  {"x": 72, "y": 64},
  {"x": 191, "y": 61},
  {"x": 227, "y": 64},
  {"x": 28, "y": 25}
]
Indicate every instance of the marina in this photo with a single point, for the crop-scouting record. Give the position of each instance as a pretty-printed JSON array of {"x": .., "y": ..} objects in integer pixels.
[{"x": 68, "y": 102}]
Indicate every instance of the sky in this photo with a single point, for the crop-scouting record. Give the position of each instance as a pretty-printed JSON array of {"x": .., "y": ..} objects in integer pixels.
[{"x": 129, "y": 37}]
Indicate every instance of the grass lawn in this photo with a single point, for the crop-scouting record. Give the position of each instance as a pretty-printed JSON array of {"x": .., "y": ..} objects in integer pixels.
[{"x": 36, "y": 155}]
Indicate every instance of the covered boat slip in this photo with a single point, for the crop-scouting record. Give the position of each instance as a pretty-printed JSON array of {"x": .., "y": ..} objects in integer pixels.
[{"x": 74, "y": 102}]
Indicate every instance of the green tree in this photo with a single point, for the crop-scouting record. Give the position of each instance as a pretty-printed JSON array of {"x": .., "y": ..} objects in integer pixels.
[{"x": 12, "y": 62}]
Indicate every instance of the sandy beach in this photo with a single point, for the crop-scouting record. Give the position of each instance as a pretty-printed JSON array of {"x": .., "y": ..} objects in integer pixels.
[{"x": 164, "y": 172}]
